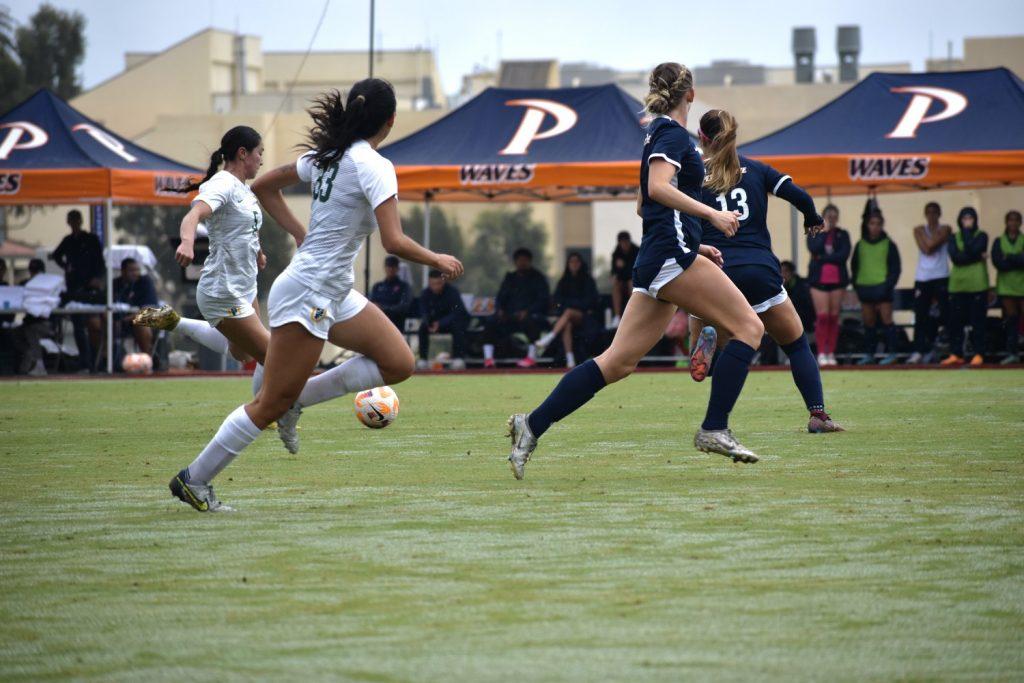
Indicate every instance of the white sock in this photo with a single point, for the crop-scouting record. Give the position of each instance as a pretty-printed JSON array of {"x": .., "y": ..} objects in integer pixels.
[
  {"x": 570, "y": 359},
  {"x": 200, "y": 332},
  {"x": 235, "y": 433},
  {"x": 355, "y": 374},
  {"x": 531, "y": 352},
  {"x": 546, "y": 340},
  {"x": 489, "y": 351}
]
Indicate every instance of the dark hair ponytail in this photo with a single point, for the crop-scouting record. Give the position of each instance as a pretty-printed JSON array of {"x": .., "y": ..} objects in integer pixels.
[
  {"x": 336, "y": 124},
  {"x": 235, "y": 139}
]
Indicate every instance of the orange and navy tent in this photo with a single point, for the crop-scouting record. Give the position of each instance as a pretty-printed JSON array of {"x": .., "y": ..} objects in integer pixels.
[
  {"x": 898, "y": 132},
  {"x": 52, "y": 154},
  {"x": 520, "y": 145}
]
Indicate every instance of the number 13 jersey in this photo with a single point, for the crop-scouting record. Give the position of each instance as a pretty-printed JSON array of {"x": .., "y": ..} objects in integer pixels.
[
  {"x": 752, "y": 243},
  {"x": 345, "y": 194}
]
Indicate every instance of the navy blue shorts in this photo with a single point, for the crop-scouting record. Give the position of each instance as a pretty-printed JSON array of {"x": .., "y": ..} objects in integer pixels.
[
  {"x": 651, "y": 276},
  {"x": 760, "y": 284},
  {"x": 874, "y": 294}
]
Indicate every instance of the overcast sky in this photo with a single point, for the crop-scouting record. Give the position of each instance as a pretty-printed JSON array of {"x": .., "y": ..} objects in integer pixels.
[{"x": 619, "y": 33}]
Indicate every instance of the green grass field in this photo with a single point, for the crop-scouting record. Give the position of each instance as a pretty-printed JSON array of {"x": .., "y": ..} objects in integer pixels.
[{"x": 893, "y": 551}]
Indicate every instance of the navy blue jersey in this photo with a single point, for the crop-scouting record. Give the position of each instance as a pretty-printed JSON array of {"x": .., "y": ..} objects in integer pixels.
[
  {"x": 669, "y": 233},
  {"x": 752, "y": 243}
]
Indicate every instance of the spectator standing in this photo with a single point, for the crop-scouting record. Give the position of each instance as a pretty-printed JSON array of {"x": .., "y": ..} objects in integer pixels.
[
  {"x": 136, "y": 290},
  {"x": 520, "y": 307},
  {"x": 442, "y": 311},
  {"x": 968, "y": 288},
  {"x": 799, "y": 293},
  {"x": 931, "y": 283},
  {"x": 828, "y": 277},
  {"x": 623, "y": 259},
  {"x": 33, "y": 329},
  {"x": 80, "y": 256},
  {"x": 576, "y": 299},
  {"x": 393, "y": 295},
  {"x": 1008, "y": 258},
  {"x": 876, "y": 269}
]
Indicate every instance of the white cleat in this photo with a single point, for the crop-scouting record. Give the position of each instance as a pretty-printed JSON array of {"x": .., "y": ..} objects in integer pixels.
[
  {"x": 722, "y": 441},
  {"x": 288, "y": 428},
  {"x": 523, "y": 444}
]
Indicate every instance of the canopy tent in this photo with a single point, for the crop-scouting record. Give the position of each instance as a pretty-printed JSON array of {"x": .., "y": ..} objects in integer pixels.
[
  {"x": 563, "y": 144},
  {"x": 910, "y": 131},
  {"x": 52, "y": 154}
]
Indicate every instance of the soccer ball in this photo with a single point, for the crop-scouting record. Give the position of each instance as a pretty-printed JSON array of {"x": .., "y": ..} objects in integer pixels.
[
  {"x": 377, "y": 408},
  {"x": 137, "y": 364}
]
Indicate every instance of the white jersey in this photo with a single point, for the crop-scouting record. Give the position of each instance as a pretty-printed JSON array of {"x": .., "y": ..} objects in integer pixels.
[
  {"x": 932, "y": 266},
  {"x": 234, "y": 228},
  {"x": 345, "y": 194}
]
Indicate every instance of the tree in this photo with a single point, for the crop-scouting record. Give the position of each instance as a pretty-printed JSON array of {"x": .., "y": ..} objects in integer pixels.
[
  {"x": 445, "y": 234},
  {"x": 498, "y": 233},
  {"x": 51, "y": 49},
  {"x": 12, "y": 78}
]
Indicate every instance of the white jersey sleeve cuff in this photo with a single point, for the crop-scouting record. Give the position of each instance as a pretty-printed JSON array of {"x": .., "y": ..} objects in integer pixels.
[{"x": 665, "y": 157}]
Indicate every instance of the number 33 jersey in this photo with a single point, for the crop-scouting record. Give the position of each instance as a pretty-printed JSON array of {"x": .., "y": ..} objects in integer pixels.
[
  {"x": 752, "y": 243},
  {"x": 229, "y": 271},
  {"x": 345, "y": 194}
]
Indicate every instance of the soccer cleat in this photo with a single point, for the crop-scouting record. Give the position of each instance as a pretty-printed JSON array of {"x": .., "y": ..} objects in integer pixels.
[
  {"x": 914, "y": 358},
  {"x": 703, "y": 352},
  {"x": 288, "y": 428},
  {"x": 722, "y": 441},
  {"x": 526, "y": 362},
  {"x": 952, "y": 360},
  {"x": 889, "y": 359},
  {"x": 821, "y": 423},
  {"x": 199, "y": 496},
  {"x": 1012, "y": 359},
  {"x": 977, "y": 361},
  {"x": 489, "y": 364},
  {"x": 523, "y": 443},
  {"x": 163, "y": 318}
]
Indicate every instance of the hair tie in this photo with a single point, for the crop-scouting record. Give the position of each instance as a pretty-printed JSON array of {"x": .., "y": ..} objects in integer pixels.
[{"x": 360, "y": 98}]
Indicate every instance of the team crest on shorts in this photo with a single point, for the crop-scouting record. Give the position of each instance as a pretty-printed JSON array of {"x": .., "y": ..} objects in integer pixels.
[
  {"x": 317, "y": 314},
  {"x": 234, "y": 311}
]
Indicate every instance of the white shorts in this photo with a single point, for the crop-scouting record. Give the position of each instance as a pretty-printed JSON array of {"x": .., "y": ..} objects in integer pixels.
[
  {"x": 215, "y": 309},
  {"x": 290, "y": 301}
]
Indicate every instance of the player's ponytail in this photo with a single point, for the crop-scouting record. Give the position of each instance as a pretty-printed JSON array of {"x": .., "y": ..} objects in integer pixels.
[
  {"x": 235, "y": 139},
  {"x": 669, "y": 83},
  {"x": 721, "y": 161},
  {"x": 337, "y": 124}
]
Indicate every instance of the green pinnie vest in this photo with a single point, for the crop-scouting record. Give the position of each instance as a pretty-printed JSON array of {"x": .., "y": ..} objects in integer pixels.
[
  {"x": 872, "y": 263},
  {"x": 1011, "y": 283},
  {"x": 972, "y": 278}
]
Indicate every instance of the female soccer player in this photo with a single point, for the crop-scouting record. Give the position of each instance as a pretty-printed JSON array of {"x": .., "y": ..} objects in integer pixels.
[
  {"x": 669, "y": 273},
  {"x": 828, "y": 278},
  {"x": 737, "y": 183},
  {"x": 876, "y": 269},
  {"x": 968, "y": 288},
  {"x": 354, "y": 192},
  {"x": 226, "y": 293},
  {"x": 1008, "y": 258}
]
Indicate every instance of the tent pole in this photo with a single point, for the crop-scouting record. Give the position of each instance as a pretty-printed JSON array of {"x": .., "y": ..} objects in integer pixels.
[
  {"x": 426, "y": 233},
  {"x": 108, "y": 237},
  {"x": 794, "y": 236}
]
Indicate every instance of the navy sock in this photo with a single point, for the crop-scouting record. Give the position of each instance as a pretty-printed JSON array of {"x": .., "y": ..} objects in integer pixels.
[
  {"x": 574, "y": 389},
  {"x": 730, "y": 374},
  {"x": 891, "y": 336},
  {"x": 870, "y": 342},
  {"x": 1012, "y": 323},
  {"x": 805, "y": 373}
]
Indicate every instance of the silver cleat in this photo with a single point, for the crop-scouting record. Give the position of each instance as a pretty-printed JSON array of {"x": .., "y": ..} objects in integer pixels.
[
  {"x": 288, "y": 428},
  {"x": 722, "y": 441},
  {"x": 523, "y": 443}
]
